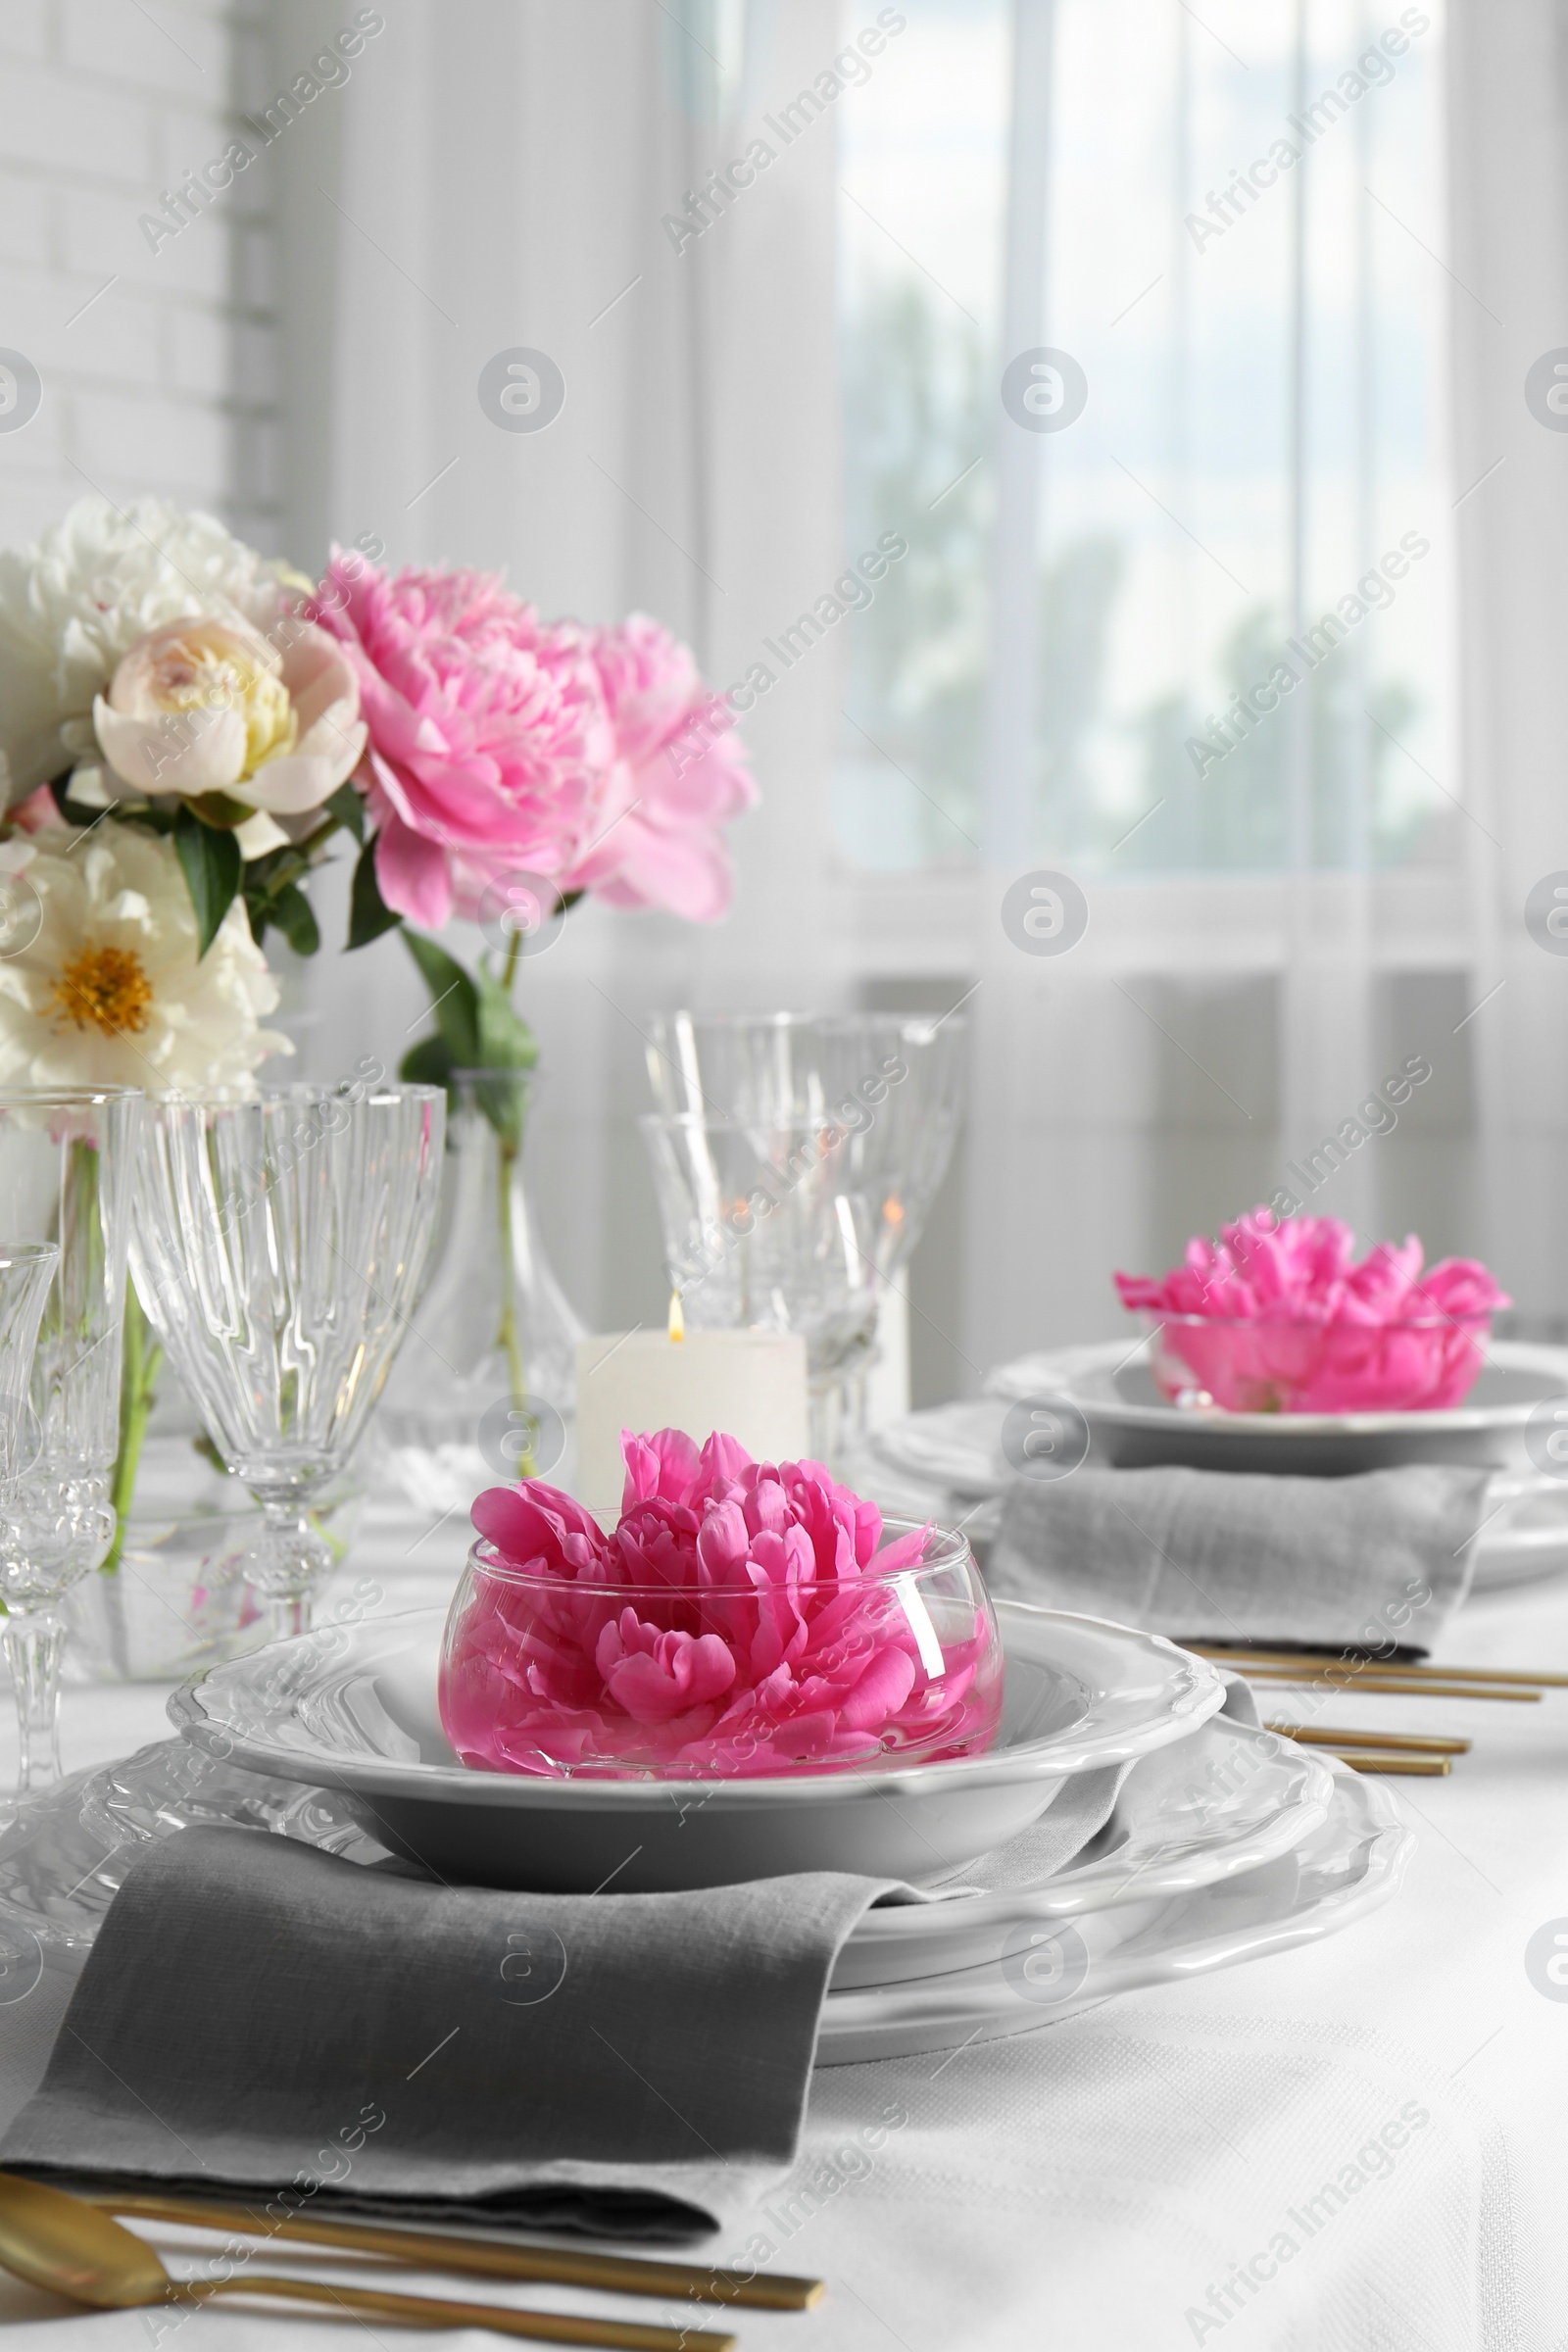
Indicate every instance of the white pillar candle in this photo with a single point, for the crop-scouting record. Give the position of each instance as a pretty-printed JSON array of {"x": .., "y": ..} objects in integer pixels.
[{"x": 749, "y": 1384}]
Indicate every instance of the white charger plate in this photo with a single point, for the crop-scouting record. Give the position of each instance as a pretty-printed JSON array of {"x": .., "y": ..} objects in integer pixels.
[
  {"x": 1051, "y": 1970},
  {"x": 354, "y": 1708},
  {"x": 1131, "y": 1423},
  {"x": 56, "y": 1880},
  {"x": 1227, "y": 1802}
]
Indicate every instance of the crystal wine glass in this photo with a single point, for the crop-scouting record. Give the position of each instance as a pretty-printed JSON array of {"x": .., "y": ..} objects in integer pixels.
[
  {"x": 773, "y": 1227},
  {"x": 26, "y": 1269},
  {"x": 66, "y": 1163},
  {"x": 279, "y": 1247},
  {"x": 892, "y": 1081}
]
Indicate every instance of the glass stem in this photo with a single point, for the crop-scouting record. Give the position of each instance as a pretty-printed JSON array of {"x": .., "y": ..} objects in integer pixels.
[
  {"x": 288, "y": 1562},
  {"x": 287, "y": 1614},
  {"x": 33, "y": 1652}
]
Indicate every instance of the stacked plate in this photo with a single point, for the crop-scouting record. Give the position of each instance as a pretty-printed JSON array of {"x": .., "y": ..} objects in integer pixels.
[
  {"x": 951, "y": 1460},
  {"x": 1223, "y": 1842}
]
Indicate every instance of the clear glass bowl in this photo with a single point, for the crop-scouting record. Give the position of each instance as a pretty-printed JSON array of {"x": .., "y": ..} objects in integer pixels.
[
  {"x": 547, "y": 1674},
  {"x": 1249, "y": 1365}
]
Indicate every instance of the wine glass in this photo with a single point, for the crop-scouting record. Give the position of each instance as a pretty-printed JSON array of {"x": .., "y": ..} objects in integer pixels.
[
  {"x": 774, "y": 1228},
  {"x": 278, "y": 1248},
  {"x": 66, "y": 1161},
  {"x": 893, "y": 1082},
  {"x": 26, "y": 1269}
]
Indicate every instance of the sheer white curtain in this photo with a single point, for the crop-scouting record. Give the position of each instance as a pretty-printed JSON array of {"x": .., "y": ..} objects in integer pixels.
[
  {"x": 1209, "y": 1033},
  {"x": 1268, "y": 941},
  {"x": 1266, "y": 946},
  {"x": 502, "y": 180},
  {"x": 1509, "y": 113}
]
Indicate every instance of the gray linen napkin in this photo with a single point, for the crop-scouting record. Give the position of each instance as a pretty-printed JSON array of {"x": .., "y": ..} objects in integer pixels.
[
  {"x": 1377, "y": 1560},
  {"x": 257, "y": 2013}
]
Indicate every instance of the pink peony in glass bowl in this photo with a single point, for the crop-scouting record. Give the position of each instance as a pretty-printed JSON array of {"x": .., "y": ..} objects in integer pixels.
[
  {"x": 743, "y": 1619},
  {"x": 1278, "y": 1317}
]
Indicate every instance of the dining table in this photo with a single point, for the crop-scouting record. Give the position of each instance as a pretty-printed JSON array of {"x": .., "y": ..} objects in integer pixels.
[{"x": 1352, "y": 2144}]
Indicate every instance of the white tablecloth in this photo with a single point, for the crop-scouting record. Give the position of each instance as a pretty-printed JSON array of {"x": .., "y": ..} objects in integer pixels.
[{"x": 1155, "y": 2172}]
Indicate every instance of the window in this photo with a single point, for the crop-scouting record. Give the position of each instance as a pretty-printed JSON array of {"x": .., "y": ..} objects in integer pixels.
[{"x": 1241, "y": 255}]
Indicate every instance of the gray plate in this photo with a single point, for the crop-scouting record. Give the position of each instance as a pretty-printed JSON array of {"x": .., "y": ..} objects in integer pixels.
[
  {"x": 354, "y": 1709},
  {"x": 1132, "y": 1425}
]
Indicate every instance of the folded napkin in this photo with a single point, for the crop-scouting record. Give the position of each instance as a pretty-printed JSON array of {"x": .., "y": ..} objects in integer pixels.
[
  {"x": 256, "y": 2013},
  {"x": 1377, "y": 1560}
]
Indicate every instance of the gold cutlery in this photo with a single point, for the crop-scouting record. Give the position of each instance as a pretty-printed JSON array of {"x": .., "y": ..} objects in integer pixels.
[
  {"x": 76, "y": 2250},
  {"x": 1316, "y": 1735},
  {"x": 1380, "y": 1761},
  {"x": 481, "y": 2258},
  {"x": 1416, "y": 1670},
  {"x": 1381, "y": 1684}
]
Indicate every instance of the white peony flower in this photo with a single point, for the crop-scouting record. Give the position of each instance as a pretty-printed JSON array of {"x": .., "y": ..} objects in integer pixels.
[
  {"x": 72, "y": 606},
  {"x": 99, "y": 979},
  {"x": 213, "y": 707}
]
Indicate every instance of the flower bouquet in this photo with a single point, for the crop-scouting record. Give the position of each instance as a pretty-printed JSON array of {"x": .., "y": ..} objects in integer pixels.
[
  {"x": 188, "y": 729},
  {"x": 1278, "y": 1317}
]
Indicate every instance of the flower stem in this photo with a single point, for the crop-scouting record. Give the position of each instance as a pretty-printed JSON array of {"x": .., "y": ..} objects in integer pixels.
[
  {"x": 511, "y": 1338},
  {"x": 508, "y": 1335},
  {"x": 138, "y": 1386}
]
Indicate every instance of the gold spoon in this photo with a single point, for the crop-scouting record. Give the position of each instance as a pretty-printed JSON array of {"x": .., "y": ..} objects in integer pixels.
[{"x": 71, "y": 2248}]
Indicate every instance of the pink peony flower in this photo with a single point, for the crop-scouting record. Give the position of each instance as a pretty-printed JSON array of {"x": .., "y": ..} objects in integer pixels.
[
  {"x": 488, "y": 731},
  {"x": 743, "y": 1616},
  {"x": 1277, "y": 1316},
  {"x": 39, "y": 813},
  {"x": 500, "y": 743},
  {"x": 680, "y": 773}
]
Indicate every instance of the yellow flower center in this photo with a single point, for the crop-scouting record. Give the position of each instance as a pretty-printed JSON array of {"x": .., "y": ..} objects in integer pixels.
[
  {"x": 196, "y": 674},
  {"x": 105, "y": 989}
]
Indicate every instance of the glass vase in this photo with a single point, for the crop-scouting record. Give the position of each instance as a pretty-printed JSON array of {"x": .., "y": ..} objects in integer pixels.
[{"x": 494, "y": 1317}]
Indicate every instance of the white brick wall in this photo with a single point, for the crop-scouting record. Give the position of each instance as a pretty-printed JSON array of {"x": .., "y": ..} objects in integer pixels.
[{"x": 160, "y": 370}]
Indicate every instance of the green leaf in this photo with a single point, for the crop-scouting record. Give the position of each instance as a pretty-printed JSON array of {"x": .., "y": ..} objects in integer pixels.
[
  {"x": 455, "y": 1000},
  {"x": 292, "y": 912},
  {"x": 427, "y": 1063},
  {"x": 503, "y": 1102},
  {"x": 506, "y": 1041},
  {"x": 213, "y": 867},
  {"x": 368, "y": 912},
  {"x": 221, "y": 809},
  {"x": 348, "y": 806}
]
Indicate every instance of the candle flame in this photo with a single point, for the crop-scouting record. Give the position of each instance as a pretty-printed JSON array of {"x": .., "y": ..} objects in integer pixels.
[{"x": 677, "y": 1321}]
